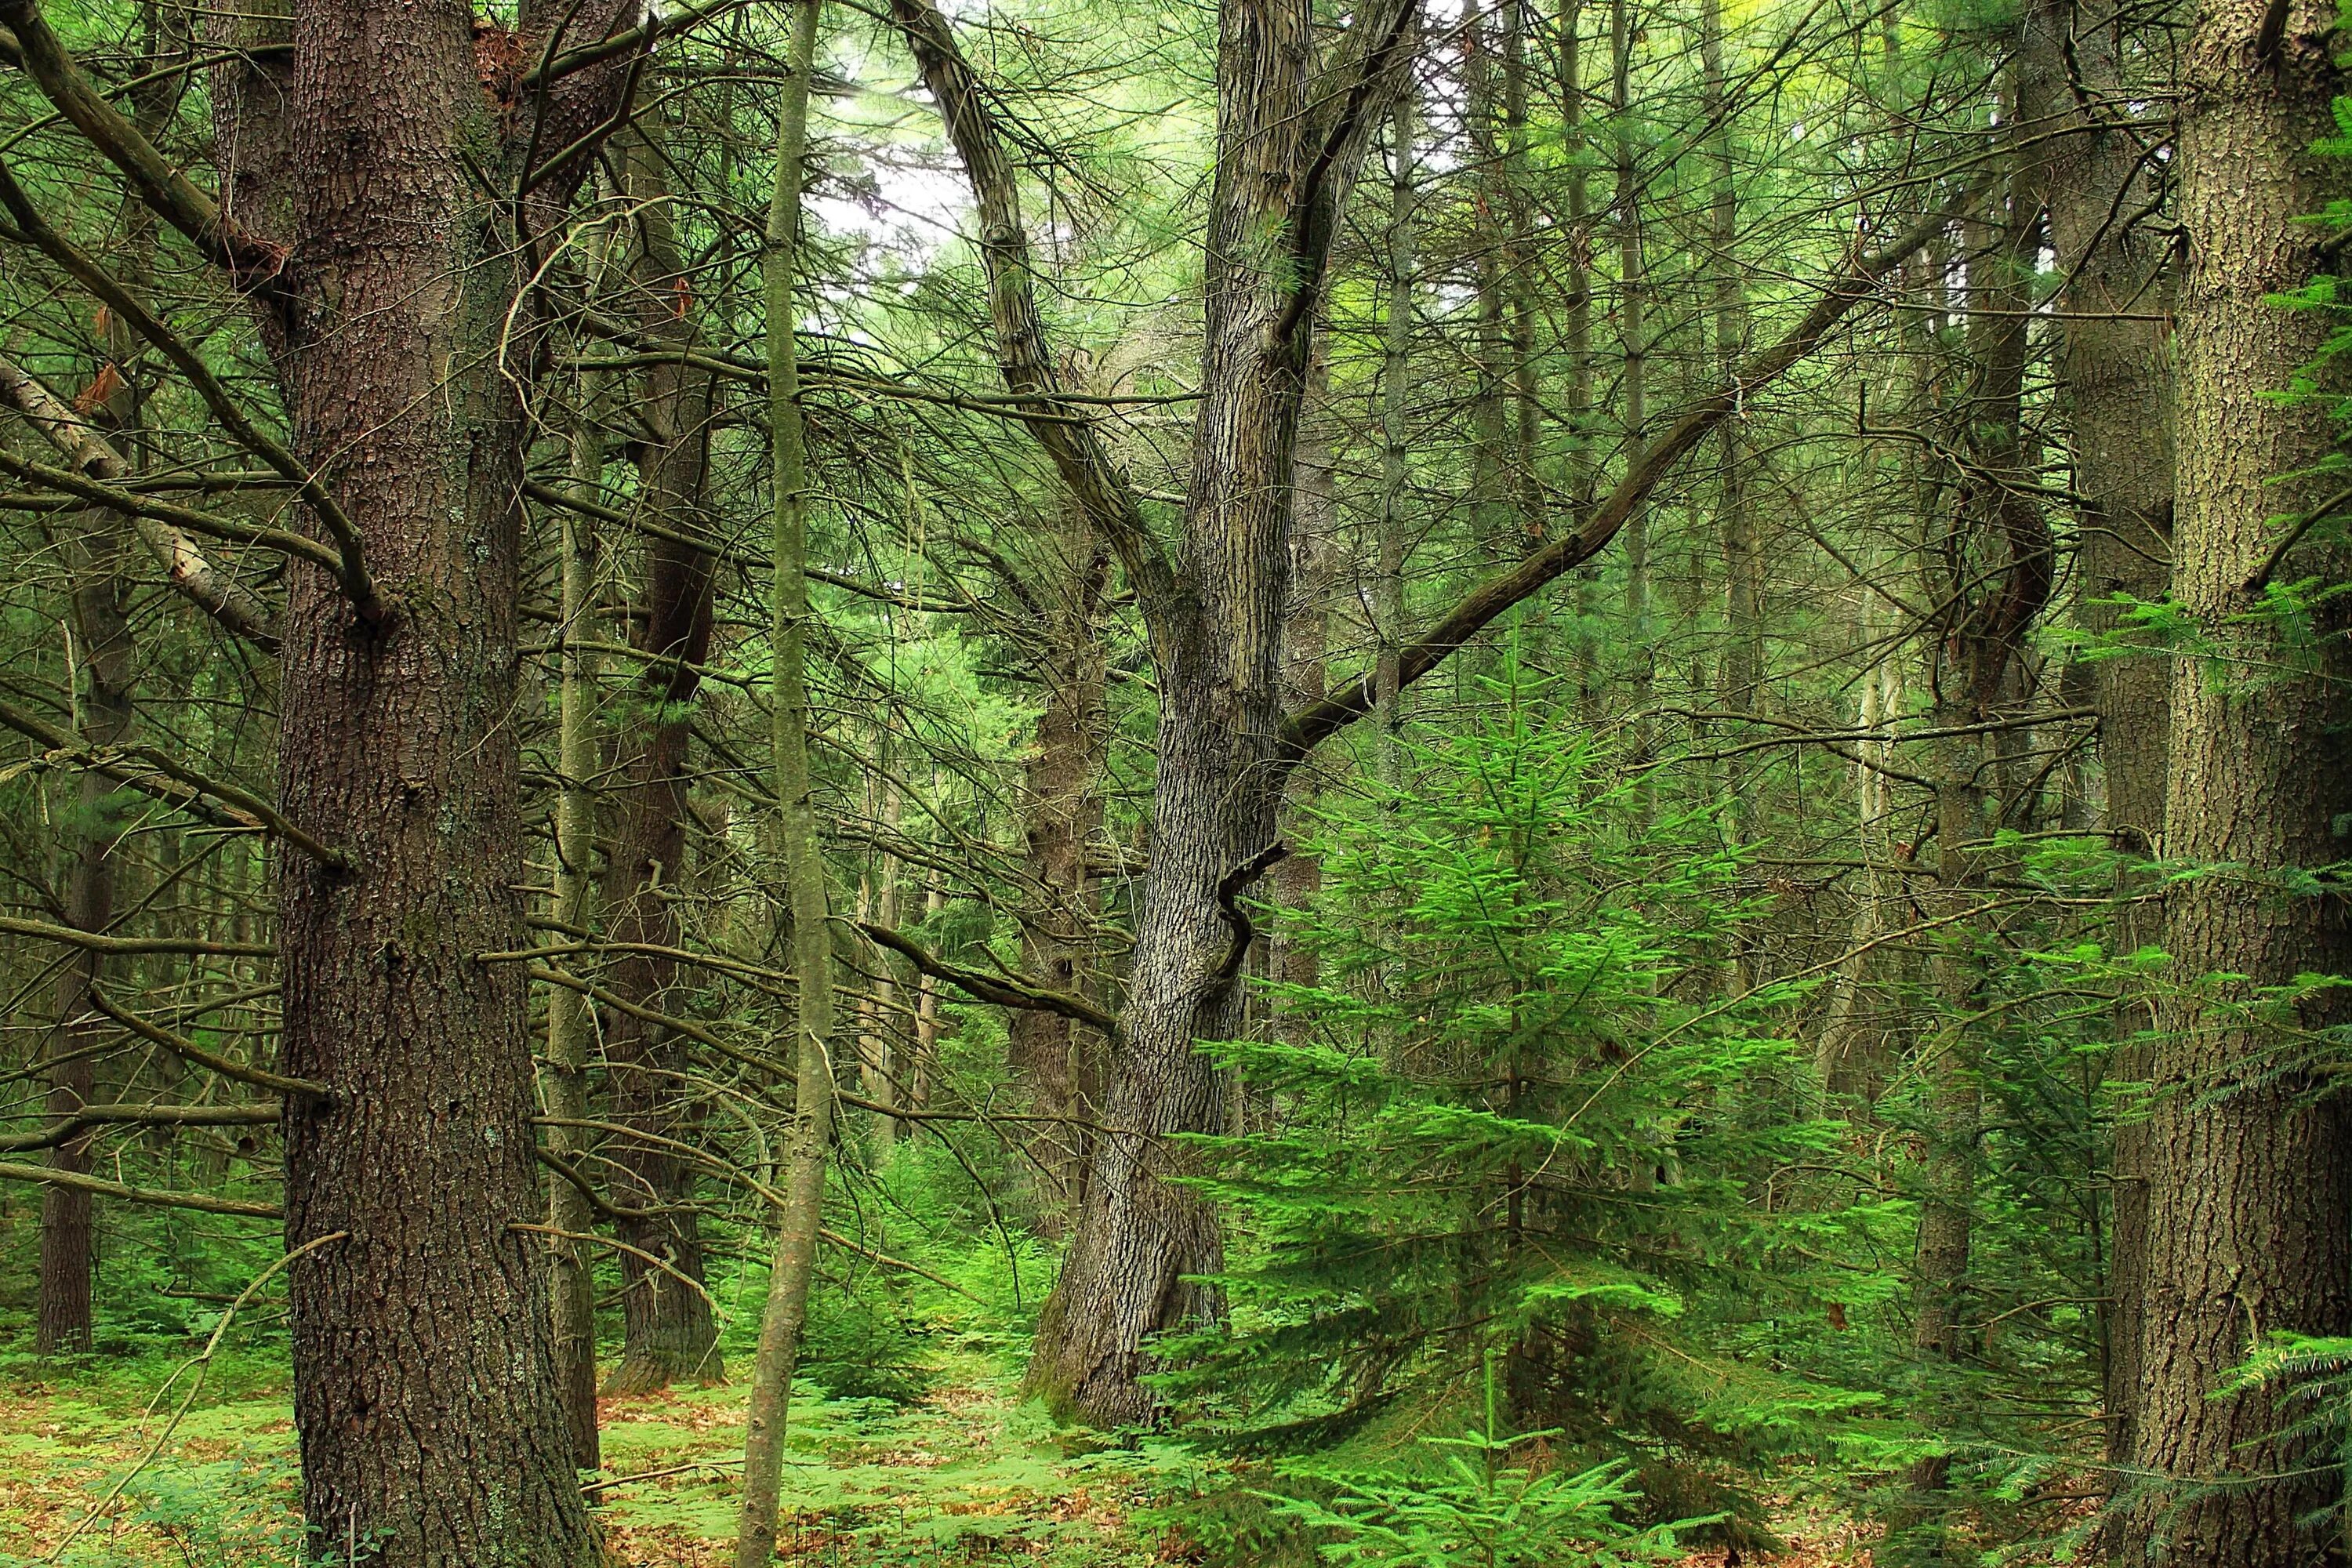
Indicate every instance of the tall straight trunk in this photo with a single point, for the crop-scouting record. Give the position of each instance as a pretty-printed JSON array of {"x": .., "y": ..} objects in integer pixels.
[
  {"x": 2249, "y": 1158},
  {"x": 807, "y": 1150},
  {"x": 563, "y": 1084},
  {"x": 425, "y": 1398},
  {"x": 2002, "y": 541},
  {"x": 2115, "y": 368},
  {"x": 1743, "y": 561},
  {"x": 1396, "y": 436},
  {"x": 669, "y": 1331},
  {"x": 106, "y": 660},
  {"x": 1583, "y": 427},
  {"x": 1491, "y": 479},
  {"x": 1305, "y": 633},
  {"x": 1058, "y": 1060},
  {"x": 1632, "y": 334},
  {"x": 878, "y": 1070}
]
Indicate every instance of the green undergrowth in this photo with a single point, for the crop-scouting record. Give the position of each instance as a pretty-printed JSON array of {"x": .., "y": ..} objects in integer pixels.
[{"x": 963, "y": 1473}]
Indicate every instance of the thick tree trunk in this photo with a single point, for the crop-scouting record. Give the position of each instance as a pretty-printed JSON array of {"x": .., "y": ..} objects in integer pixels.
[
  {"x": 2116, "y": 372},
  {"x": 426, "y": 1399},
  {"x": 1219, "y": 786},
  {"x": 2249, "y": 1174},
  {"x": 667, "y": 1331}
]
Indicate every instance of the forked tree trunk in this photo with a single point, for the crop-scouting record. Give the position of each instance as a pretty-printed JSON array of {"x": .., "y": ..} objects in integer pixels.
[{"x": 2249, "y": 1158}]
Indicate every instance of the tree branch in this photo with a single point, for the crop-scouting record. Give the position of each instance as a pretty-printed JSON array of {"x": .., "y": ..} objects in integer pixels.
[
  {"x": 996, "y": 989},
  {"x": 349, "y": 568},
  {"x": 1070, "y": 440},
  {"x": 244, "y": 809},
  {"x": 252, "y": 264},
  {"x": 152, "y": 1196},
  {"x": 184, "y": 565},
  {"x": 1320, "y": 721}
]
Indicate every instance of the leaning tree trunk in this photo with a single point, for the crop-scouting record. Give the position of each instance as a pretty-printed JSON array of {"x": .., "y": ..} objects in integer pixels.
[
  {"x": 2116, "y": 372},
  {"x": 2249, "y": 1161},
  {"x": 668, "y": 1329}
]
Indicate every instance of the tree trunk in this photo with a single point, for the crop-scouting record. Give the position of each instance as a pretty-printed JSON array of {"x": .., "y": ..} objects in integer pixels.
[
  {"x": 807, "y": 1150},
  {"x": 2117, "y": 377},
  {"x": 1057, "y": 1059},
  {"x": 1140, "y": 1240},
  {"x": 2249, "y": 1175},
  {"x": 667, "y": 1331},
  {"x": 1633, "y": 347},
  {"x": 563, "y": 1085},
  {"x": 425, "y": 1398},
  {"x": 1396, "y": 470},
  {"x": 106, "y": 656}
]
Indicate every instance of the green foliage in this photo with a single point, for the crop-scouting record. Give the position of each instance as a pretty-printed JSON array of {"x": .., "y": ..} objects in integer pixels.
[
  {"x": 1516, "y": 1115},
  {"x": 1478, "y": 1509}
]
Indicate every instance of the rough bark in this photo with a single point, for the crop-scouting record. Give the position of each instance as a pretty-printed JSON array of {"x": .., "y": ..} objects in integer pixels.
[
  {"x": 2249, "y": 1172},
  {"x": 1289, "y": 145},
  {"x": 425, "y": 1398},
  {"x": 1396, "y": 471},
  {"x": 1633, "y": 385}
]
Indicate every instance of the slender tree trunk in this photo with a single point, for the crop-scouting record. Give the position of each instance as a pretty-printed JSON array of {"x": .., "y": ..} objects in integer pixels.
[
  {"x": 563, "y": 1085},
  {"x": 1305, "y": 633},
  {"x": 1582, "y": 428},
  {"x": 807, "y": 1151},
  {"x": 107, "y": 667},
  {"x": 1396, "y": 436},
  {"x": 2249, "y": 1161},
  {"x": 1743, "y": 558},
  {"x": 1633, "y": 328}
]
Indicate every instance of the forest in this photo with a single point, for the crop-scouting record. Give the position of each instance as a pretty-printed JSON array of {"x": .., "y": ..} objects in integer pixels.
[{"x": 1453, "y": 784}]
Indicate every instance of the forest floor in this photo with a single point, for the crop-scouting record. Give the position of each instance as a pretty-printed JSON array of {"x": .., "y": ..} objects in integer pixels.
[{"x": 965, "y": 1474}]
